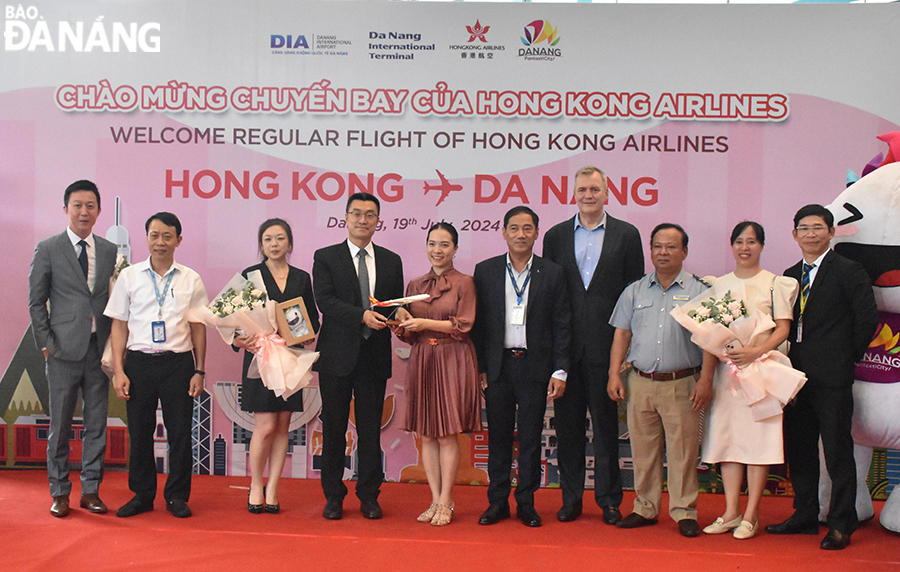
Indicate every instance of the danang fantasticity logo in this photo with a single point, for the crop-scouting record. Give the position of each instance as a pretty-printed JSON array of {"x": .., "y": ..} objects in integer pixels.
[{"x": 540, "y": 32}]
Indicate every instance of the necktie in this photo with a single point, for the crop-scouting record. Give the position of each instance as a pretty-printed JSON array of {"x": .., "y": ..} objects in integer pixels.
[
  {"x": 804, "y": 285},
  {"x": 364, "y": 287},
  {"x": 82, "y": 258}
]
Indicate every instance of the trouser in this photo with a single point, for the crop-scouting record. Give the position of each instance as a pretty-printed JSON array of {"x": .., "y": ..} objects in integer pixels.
[
  {"x": 65, "y": 379},
  {"x": 661, "y": 419},
  {"x": 164, "y": 379}
]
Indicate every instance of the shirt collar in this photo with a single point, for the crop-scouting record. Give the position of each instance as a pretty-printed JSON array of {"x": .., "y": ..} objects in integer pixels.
[
  {"x": 354, "y": 250},
  {"x": 527, "y": 266},
  {"x": 818, "y": 261},
  {"x": 599, "y": 226},
  {"x": 678, "y": 279},
  {"x": 145, "y": 265},
  {"x": 76, "y": 239}
]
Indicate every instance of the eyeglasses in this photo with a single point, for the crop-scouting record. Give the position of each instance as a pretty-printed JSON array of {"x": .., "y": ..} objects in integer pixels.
[
  {"x": 368, "y": 215},
  {"x": 815, "y": 229}
]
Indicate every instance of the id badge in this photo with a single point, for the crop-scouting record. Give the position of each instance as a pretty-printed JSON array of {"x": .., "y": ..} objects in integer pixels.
[
  {"x": 159, "y": 331},
  {"x": 518, "y": 315},
  {"x": 800, "y": 329}
]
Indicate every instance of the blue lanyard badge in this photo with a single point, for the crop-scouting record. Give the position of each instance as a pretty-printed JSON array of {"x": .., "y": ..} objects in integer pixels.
[
  {"x": 158, "y": 328},
  {"x": 519, "y": 292}
]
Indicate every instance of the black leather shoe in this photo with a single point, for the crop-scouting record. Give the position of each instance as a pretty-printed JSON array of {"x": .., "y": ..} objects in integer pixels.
[
  {"x": 611, "y": 515},
  {"x": 528, "y": 516},
  {"x": 371, "y": 509},
  {"x": 794, "y": 525},
  {"x": 254, "y": 508},
  {"x": 688, "y": 527},
  {"x": 134, "y": 507},
  {"x": 273, "y": 508},
  {"x": 495, "y": 513},
  {"x": 178, "y": 508},
  {"x": 835, "y": 540},
  {"x": 634, "y": 520},
  {"x": 334, "y": 509},
  {"x": 569, "y": 512}
]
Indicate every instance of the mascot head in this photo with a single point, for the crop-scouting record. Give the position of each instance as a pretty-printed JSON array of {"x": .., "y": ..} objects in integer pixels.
[{"x": 867, "y": 223}]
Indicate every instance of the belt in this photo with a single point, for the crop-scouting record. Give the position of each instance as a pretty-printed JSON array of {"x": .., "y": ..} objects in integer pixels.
[
  {"x": 670, "y": 375},
  {"x": 436, "y": 341},
  {"x": 155, "y": 355},
  {"x": 516, "y": 353}
]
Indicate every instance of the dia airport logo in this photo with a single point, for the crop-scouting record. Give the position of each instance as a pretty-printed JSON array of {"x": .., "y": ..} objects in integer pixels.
[{"x": 537, "y": 33}]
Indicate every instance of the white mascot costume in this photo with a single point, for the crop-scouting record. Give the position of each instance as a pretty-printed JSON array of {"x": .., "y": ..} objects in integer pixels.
[{"x": 867, "y": 222}]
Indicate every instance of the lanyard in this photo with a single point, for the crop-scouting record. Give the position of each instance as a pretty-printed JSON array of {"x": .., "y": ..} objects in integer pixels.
[
  {"x": 161, "y": 298},
  {"x": 519, "y": 292}
]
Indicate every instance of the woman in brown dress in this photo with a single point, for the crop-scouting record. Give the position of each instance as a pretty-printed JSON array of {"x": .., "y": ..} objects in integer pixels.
[{"x": 442, "y": 391}]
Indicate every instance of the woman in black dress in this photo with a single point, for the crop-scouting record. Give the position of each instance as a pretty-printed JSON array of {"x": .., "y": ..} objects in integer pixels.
[{"x": 272, "y": 414}]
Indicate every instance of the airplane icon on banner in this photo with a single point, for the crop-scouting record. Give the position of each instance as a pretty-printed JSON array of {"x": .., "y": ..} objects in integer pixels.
[{"x": 445, "y": 187}]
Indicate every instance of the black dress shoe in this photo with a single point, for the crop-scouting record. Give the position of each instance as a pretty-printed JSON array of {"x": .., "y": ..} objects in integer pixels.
[
  {"x": 835, "y": 540},
  {"x": 334, "y": 509},
  {"x": 634, "y": 520},
  {"x": 569, "y": 512},
  {"x": 371, "y": 509},
  {"x": 178, "y": 508},
  {"x": 134, "y": 507},
  {"x": 611, "y": 515},
  {"x": 528, "y": 516},
  {"x": 495, "y": 513},
  {"x": 688, "y": 527},
  {"x": 60, "y": 506},
  {"x": 794, "y": 525},
  {"x": 273, "y": 508}
]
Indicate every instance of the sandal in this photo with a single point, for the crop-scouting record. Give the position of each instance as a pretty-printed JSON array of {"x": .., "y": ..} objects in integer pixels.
[
  {"x": 428, "y": 515},
  {"x": 442, "y": 516}
]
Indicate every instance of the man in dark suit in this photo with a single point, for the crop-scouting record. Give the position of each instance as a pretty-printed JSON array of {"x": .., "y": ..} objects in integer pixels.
[
  {"x": 835, "y": 317},
  {"x": 521, "y": 336},
  {"x": 355, "y": 352},
  {"x": 600, "y": 255},
  {"x": 71, "y": 270}
]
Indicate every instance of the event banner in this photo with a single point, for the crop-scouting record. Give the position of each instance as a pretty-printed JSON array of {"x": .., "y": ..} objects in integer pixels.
[{"x": 228, "y": 113}]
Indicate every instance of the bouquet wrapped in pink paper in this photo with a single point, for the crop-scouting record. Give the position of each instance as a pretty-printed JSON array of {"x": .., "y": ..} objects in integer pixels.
[
  {"x": 721, "y": 320},
  {"x": 241, "y": 306}
]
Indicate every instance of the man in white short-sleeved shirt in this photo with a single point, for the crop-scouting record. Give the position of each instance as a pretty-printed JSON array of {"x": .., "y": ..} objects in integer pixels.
[{"x": 158, "y": 355}]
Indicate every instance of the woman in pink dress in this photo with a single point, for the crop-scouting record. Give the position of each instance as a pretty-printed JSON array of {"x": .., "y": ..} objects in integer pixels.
[{"x": 442, "y": 389}]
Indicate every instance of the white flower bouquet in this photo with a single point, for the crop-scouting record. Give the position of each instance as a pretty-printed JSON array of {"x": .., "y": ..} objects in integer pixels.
[
  {"x": 716, "y": 320},
  {"x": 241, "y": 306}
]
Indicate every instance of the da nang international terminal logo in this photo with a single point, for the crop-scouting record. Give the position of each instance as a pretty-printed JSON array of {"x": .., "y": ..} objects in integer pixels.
[{"x": 540, "y": 41}]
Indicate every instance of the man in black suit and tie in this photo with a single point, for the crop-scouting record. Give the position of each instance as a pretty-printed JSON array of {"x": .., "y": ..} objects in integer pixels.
[
  {"x": 72, "y": 270},
  {"x": 600, "y": 256},
  {"x": 521, "y": 336},
  {"x": 835, "y": 317},
  {"x": 355, "y": 352}
]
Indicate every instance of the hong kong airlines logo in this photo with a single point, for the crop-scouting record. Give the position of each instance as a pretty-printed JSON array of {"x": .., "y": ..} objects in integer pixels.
[
  {"x": 540, "y": 31},
  {"x": 477, "y": 32}
]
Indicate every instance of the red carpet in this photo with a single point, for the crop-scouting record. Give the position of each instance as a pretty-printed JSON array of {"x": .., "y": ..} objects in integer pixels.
[{"x": 223, "y": 536}]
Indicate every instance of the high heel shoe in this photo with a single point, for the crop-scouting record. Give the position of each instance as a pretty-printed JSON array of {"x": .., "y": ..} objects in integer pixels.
[
  {"x": 428, "y": 515},
  {"x": 443, "y": 515},
  {"x": 721, "y": 527},
  {"x": 254, "y": 508},
  {"x": 746, "y": 530}
]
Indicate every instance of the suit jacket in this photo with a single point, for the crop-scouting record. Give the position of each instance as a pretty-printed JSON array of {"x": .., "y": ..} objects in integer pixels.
[
  {"x": 56, "y": 275},
  {"x": 838, "y": 323},
  {"x": 621, "y": 263},
  {"x": 547, "y": 320},
  {"x": 336, "y": 286}
]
